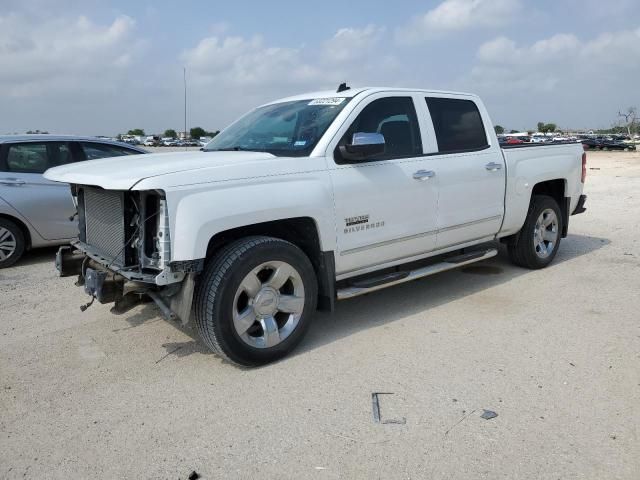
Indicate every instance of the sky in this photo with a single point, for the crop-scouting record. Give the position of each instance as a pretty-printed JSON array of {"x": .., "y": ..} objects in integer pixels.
[{"x": 99, "y": 67}]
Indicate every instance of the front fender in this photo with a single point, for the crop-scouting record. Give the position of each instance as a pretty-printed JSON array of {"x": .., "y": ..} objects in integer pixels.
[{"x": 199, "y": 212}]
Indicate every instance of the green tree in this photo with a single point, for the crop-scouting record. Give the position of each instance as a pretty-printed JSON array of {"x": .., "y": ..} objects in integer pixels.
[
  {"x": 499, "y": 129},
  {"x": 197, "y": 132},
  {"x": 136, "y": 131},
  {"x": 542, "y": 128},
  {"x": 550, "y": 127},
  {"x": 170, "y": 132}
]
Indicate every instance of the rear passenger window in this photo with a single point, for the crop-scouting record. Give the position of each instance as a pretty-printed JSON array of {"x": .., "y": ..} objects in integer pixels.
[
  {"x": 35, "y": 157},
  {"x": 458, "y": 125},
  {"x": 27, "y": 158},
  {"x": 94, "y": 151}
]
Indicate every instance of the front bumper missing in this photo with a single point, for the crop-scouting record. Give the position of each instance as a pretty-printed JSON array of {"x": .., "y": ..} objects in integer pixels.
[
  {"x": 126, "y": 289},
  {"x": 165, "y": 277}
]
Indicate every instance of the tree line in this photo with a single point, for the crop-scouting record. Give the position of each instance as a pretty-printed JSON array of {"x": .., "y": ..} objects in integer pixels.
[
  {"x": 195, "y": 132},
  {"x": 629, "y": 123}
]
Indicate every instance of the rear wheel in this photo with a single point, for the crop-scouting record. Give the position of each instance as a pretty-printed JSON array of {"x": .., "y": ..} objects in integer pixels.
[
  {"x": 539, "y": 239},
  {"x": 255, "y": 300},
  {"x": 12, "y": 243}
]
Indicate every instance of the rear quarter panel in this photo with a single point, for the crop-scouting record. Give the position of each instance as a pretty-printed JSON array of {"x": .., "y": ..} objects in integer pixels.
[{"x": 527, "y": 167}]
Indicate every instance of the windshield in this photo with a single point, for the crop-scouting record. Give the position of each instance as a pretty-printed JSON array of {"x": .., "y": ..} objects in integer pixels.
[{"x": 289, "y": 129}]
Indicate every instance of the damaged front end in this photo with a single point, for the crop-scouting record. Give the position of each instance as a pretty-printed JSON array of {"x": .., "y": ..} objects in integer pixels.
[{"x": 123, "y": 252}]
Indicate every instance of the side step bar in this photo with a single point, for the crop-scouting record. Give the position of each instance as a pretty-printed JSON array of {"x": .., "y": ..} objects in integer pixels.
[{"x": 396, "y": 278}]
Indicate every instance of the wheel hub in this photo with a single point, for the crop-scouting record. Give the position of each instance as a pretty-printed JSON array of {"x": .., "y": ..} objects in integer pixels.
[
  {"x": 545, "y": 233},
  {"x": 268, "y": 304},
  {"x": 266, "y": 301}
]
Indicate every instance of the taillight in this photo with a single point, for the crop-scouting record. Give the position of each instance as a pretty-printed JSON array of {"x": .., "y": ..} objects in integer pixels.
[{"x": 584, "y": 167}]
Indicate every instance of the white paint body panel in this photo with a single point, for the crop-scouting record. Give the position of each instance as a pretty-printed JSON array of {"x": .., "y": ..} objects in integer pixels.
[
  {"x": 210, "y": 192},
  {"x": 528, "y": 166}
]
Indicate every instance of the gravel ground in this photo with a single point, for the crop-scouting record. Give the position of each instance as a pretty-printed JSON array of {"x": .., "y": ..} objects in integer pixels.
[{"x": 555, "y": 353}]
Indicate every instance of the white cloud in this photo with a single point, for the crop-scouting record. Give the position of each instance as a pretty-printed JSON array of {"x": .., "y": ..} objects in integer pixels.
[
  {"x": 39, "y": 56},
  {"x": 349, "y": 44},
  {"x": 243, "y": 61},
  {"x": 455, "y": 15},
  {"x": 559, "y": 74},
  {"x": 502, "y": 49},
  {"x": 234, "y": 73}
]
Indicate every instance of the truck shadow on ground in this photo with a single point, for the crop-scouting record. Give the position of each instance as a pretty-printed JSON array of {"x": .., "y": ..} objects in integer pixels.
[{"x": 395, "y": 303}]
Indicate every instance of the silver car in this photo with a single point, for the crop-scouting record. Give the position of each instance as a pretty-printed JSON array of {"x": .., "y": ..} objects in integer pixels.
[{"x": 35, "y": 212}]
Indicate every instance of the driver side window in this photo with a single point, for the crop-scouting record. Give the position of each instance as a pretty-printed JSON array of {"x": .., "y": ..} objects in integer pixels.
[{"x": 396, "y": 120}]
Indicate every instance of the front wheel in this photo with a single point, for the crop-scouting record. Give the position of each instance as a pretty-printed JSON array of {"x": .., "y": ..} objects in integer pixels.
[
  {"x": 254, "y": 301},
  {"x": 538, "y": 241}
]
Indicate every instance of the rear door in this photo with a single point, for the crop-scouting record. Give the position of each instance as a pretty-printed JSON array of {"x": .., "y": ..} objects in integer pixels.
[
  {"x": 471, "y": 171},
  {"x": 386, "y": 205},
  {"x": 46, "y": 205}
]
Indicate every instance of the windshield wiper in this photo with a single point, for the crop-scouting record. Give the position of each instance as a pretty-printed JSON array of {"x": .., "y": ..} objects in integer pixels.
[{"x": 232, "y": 149}]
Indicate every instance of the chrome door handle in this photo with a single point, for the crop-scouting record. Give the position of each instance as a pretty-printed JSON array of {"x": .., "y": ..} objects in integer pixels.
[
  {"x": 424, "y": 174},
  {"x": 11, "y": 181},
  {"x": 493, "y": 166}
]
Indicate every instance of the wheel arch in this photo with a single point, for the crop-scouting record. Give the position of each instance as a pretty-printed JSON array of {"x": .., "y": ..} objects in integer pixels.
[
  {"x": 300, "y": 231},
  {"x": 555, "y": 189}
]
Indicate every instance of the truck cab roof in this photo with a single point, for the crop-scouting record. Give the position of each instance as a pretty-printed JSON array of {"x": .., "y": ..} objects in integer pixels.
[{"x": 352, "y": 92}]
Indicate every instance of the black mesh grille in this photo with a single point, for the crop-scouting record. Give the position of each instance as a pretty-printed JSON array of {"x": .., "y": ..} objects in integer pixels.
[{"x": 104, "y": 223}]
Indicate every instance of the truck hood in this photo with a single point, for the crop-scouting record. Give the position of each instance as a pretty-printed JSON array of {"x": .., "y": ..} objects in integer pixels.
[{"x": 123, "y": 173}]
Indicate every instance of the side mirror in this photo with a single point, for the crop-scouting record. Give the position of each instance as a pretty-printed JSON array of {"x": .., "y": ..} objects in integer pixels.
[{"x": 363, "y": 145}]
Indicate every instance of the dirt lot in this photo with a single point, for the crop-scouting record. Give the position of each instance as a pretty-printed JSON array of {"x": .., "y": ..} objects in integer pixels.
[{"x": 555, "y": 353}]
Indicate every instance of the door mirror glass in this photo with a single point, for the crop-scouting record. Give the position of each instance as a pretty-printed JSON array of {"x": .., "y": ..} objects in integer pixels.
[{"x": 363, "y": 146}]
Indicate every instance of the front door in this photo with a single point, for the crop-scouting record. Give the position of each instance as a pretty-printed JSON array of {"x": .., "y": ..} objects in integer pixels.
[{"x": 386, "y": 206}]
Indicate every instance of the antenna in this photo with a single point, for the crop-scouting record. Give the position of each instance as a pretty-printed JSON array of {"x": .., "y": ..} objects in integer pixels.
[{"x": 342, "y": 87}]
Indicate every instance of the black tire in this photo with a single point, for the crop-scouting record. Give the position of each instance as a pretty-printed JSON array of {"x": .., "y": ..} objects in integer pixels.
[
  {"x": 522, "y": 251},
  {"x": 20, "y": 244},
  {"x": 215, "y": 297}
]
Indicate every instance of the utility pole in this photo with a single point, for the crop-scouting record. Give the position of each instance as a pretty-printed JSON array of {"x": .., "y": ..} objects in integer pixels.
[{"x": 184, "y": 76}]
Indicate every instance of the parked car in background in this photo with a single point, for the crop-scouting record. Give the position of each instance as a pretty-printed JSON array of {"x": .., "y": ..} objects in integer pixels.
[
  {"x": 512, "y": 141},
  {"x": 34, "y": 211},
  {"x": 604, "y": 143},
  {"x": 152, "y": 141},
  {"x": 169, "y": 142}
]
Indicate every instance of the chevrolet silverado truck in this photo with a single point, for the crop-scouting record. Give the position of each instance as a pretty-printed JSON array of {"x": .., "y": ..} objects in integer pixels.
[{"x": 312, "y": 199}]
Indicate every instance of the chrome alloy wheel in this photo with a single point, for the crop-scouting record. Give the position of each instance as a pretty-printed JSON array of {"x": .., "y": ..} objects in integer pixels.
[
  {"x": 545, "y": 234},
  {"x": 8, "y": 243},
  {"x": 268, "y": 304}
]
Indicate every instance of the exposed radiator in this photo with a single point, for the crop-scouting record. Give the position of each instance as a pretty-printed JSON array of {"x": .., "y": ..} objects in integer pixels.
[{"x": 105, "y": 224}]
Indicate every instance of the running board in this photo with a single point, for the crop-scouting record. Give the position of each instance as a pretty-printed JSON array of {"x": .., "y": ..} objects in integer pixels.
[{"x": 396, "y": 278}]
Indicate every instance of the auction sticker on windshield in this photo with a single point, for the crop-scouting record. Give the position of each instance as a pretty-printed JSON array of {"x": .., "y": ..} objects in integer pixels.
[{"x": 327, "y": 101}]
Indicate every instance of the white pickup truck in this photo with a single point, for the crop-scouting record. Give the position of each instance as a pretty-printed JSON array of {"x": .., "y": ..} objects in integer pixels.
[{"x": 311, "y": 199}]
